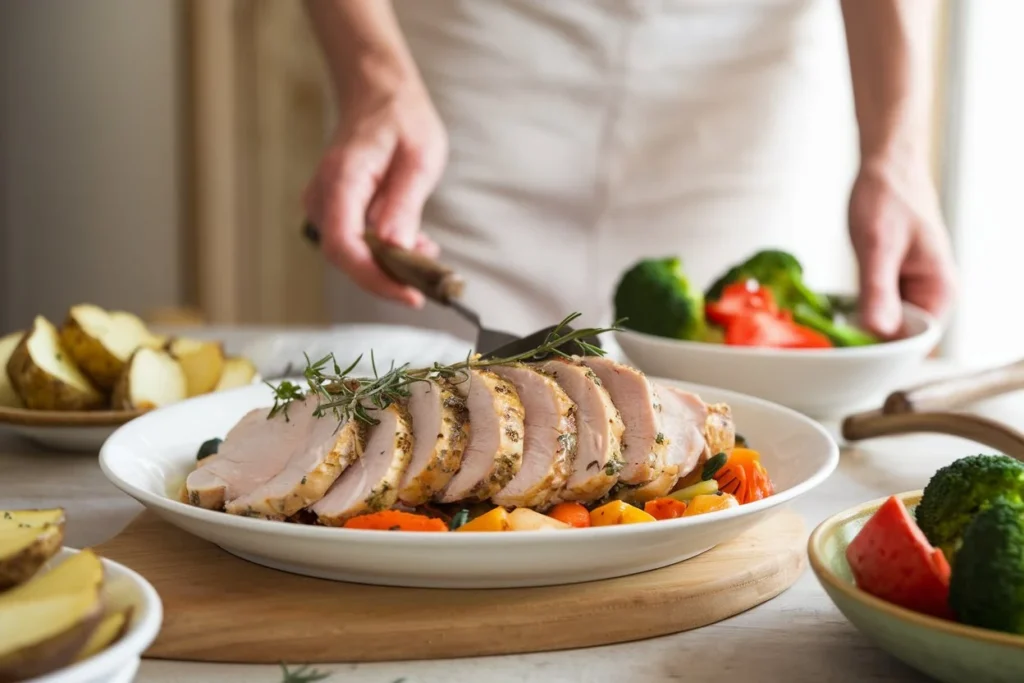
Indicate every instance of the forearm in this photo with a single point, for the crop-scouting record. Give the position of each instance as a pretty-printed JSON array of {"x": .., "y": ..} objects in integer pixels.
[
  {"x": 891, "y": 63},
  {"x": 360, "y": 39}
]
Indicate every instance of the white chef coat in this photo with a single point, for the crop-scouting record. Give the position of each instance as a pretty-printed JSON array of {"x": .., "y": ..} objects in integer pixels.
[{"x": 587, "y": 134}]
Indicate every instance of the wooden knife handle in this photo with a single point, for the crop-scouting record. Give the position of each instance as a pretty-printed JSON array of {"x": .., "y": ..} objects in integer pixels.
[
  {"x": 436, "y": 281},
  {"x": 981, "y": 430},
  {"x": 948, "y": 394}
]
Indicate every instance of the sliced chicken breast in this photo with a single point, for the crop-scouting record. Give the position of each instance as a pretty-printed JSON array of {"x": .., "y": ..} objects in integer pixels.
[
  {"x": 370, "y": 484},
  {"x": 255, "y": 450},
  {"x": 719, "y": 430},
  {"x": 599, "y": 429},
  {"x": 549, "y": 444},
  {"x": 494, "y": 450},
  {"x": 644, "y": 446},
  {"x": 683, "y": 416},
  {"x": 318, "y": 460},
  {"x": 440, "y": 429}
]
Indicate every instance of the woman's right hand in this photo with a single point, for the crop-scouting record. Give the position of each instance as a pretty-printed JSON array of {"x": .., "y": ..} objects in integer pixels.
[{"x": 386, "y": 157}]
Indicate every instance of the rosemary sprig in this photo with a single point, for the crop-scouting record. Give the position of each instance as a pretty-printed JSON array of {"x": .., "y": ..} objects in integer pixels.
[
  {"x": 303, "y": 674},
  {"x": 356, "y": 397}
]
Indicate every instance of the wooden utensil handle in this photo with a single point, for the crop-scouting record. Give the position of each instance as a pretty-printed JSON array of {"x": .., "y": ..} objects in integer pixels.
[
  {"x": 954, "y": 392},
  {"x": 436, "y": 281},
  {"x": 973, "y": 427}
]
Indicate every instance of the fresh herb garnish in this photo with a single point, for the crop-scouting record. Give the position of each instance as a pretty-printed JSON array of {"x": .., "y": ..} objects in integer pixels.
[
  {"x": 303, "y": 674},
  {"x": 354, "y": 398},
  {"x": 208, "y": 448},
  {"x": 460, "y": 518},
  {"x": 712, "y": 466},
  {"x": 659, "y": 439}
]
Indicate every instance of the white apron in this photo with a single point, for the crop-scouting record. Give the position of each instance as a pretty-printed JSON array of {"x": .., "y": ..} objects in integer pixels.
[{"x": 587, "y": 134}]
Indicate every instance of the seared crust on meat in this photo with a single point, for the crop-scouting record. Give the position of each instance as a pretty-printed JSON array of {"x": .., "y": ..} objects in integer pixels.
[
  {"x": 509, "y": 455},
  {"x": 446, "y": 454},
  {"x": 719, "y": 430}
]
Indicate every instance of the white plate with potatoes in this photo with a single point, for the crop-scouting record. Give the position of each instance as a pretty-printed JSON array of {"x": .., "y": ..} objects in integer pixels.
[
  {"x": 68, "y": 616},
  {"x": 70, "y": 387}
]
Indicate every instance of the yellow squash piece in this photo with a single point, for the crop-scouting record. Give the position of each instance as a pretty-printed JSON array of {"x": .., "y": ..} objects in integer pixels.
[
  {"x": 710, "y": 503},
  {"x": 704, "y": 488},
  {"x": 618, "y": 512},
  {"x": 495, "y": 520},
  {"x": 525, "y": 519}
]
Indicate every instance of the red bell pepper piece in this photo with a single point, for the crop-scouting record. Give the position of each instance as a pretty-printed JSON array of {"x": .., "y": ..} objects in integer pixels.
[
  {"x": 765, "y": 329},
  {"x": 892, "y": 560},
  {"x": 740, "y": 299}
]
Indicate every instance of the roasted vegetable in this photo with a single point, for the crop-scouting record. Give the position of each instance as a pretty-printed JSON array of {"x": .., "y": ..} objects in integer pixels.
[
  {"x": 101, "y": 343},
  {"x": 655, "y": 298},
  {"x": 25, "y": 548},
  {"x": 573, "y": 514},
  {"x": 705, "y": 487},
  {"x": 525, "y": 519},
  {"x": 618, "y": 512},
  {"x": 495, "y": 520},
  {"x": 987, "y": 586},
  {"x": 962, "y": 489},
  {"x": 45, "y": 376},
  {"x": 396, "y": 520},
  {"x": 840, "y": 334},
  {"x": 202, "y": 361},
  {"x": 781, "y": 273},
  {"x": 712, "y": 502},
  {"x": 208, "y": 448},
  {"x": 743, "y": 476},
  {"x": 9, "y": 398},
  {"x": 151, "y": 379},
  {"x": 665, "y": 508}
]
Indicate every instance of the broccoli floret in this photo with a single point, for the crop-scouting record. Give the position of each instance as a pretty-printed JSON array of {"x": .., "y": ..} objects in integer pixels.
[
  {"x": 839, "y": 333},
  {"x": 986, "y": 588},
  {"x": 656, "y": 298},
  {"x": 962, "y": 489},
  {"x": 779, "y": 272}
]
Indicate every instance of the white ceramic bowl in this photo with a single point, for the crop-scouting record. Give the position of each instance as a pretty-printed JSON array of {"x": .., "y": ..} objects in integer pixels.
[
  {"x": 119, "y": 662},
  {"x": 149, "y": 458},
  {"x": 822, "y": 383}
]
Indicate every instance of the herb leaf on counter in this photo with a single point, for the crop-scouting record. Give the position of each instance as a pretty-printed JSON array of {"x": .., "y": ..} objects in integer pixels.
[{"x": 303, "y": 674}]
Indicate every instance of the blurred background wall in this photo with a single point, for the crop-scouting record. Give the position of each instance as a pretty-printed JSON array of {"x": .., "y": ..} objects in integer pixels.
[{"x": 152, "y": 155}]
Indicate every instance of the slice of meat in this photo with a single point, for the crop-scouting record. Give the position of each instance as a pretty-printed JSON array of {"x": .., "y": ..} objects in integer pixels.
[
  {"x": 440, "y": 429},
  {"x": 317, "y": 461},
  {"x": 644, "y": 447},
  {"x": 719, "y": 430},
  {"x": 683, "y": 417},
  {"x": 255, "y": 450},
  {"x": 549, "y": 444},
  {"x": 494, "y": 450},
  {"x": 599, "y": 431},
  {"x": 370, "y": 484}
]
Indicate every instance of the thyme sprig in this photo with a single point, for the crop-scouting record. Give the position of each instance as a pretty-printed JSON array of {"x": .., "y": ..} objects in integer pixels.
[{"x": 350, "y": 397}]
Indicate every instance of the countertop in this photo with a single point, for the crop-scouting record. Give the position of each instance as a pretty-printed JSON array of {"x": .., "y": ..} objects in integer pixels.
[{"x": 799, "y": 636}]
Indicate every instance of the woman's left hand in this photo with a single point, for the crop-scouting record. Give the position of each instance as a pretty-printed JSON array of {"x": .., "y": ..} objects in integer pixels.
[{"x": 901, "y": 242}]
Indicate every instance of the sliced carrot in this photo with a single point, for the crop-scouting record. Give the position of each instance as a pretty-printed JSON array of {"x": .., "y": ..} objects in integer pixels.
[
  {"x": 573, "y": 514},
  {"x": 665, "y": 508},
  {"x": 744, "y": 476},
  {"x": 396, "y": 520}
]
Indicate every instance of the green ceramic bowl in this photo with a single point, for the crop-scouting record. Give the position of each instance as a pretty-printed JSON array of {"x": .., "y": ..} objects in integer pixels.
[{"x": 944, "y": 650}]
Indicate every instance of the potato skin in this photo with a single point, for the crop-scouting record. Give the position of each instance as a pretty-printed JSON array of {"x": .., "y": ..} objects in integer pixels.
[
  {"x": 91, "y": 357},
  {"x": 22, "y": 566},
  {"x": 51, "y": 654},
  {"x": 121, "y": 396},
  {"x": 41, "y": 391}
]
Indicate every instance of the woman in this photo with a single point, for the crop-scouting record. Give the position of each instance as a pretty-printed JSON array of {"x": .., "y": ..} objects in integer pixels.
[{"x": 586, "y": 134}]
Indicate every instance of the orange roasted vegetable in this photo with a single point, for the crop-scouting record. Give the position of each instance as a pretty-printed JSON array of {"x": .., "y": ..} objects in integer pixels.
[
  {"x": 396, "y": 520},
  {"x": 573, "y": 514},
  {"x": 744, "y": 476},
  {"x": 710, "y": 503},
  {"x": 665, "y": 508}
]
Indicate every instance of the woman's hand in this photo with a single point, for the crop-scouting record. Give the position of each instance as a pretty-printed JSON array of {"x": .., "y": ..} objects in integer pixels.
[
  {"x": 386, "y": 157},
  {"x": 902, "y": 246}
]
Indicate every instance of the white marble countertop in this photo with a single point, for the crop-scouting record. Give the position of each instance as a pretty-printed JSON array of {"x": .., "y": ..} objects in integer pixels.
[{"x": 797, "y": 637}]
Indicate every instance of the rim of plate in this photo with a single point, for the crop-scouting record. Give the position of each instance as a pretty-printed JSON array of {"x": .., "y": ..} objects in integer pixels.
[
  {"x": 131, "y": 645},
  {"x": 67, "y": 418},
  {"x": 304, "y": 531},
  {"x": 927, "y": 336},
  {"x": 851, "y": 591}
]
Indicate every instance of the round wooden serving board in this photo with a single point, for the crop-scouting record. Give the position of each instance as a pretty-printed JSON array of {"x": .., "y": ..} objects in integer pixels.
[{"x": 218, "y": 608}]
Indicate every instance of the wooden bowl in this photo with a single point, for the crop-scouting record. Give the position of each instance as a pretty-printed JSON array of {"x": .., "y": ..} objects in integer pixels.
[{"x": 66, "y": 430}]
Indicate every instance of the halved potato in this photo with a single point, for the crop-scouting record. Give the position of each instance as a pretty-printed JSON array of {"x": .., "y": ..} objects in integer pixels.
[
  {"x": 35, "y": 519},
  {"x": 238, "y": 372},
  {"x": 203, "y": 362},
  {"x": 152, "y": 378},
  {"x": 24, "y": 549},
  {"x": 9, "y": 398},
  {"x": 45, "y": 376},
  {"x": 101, "y": 343},
  {"x": 110, "y": 629},
  {"x": 148, "y": 338},
  {"x": 45, "y": 622}
]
